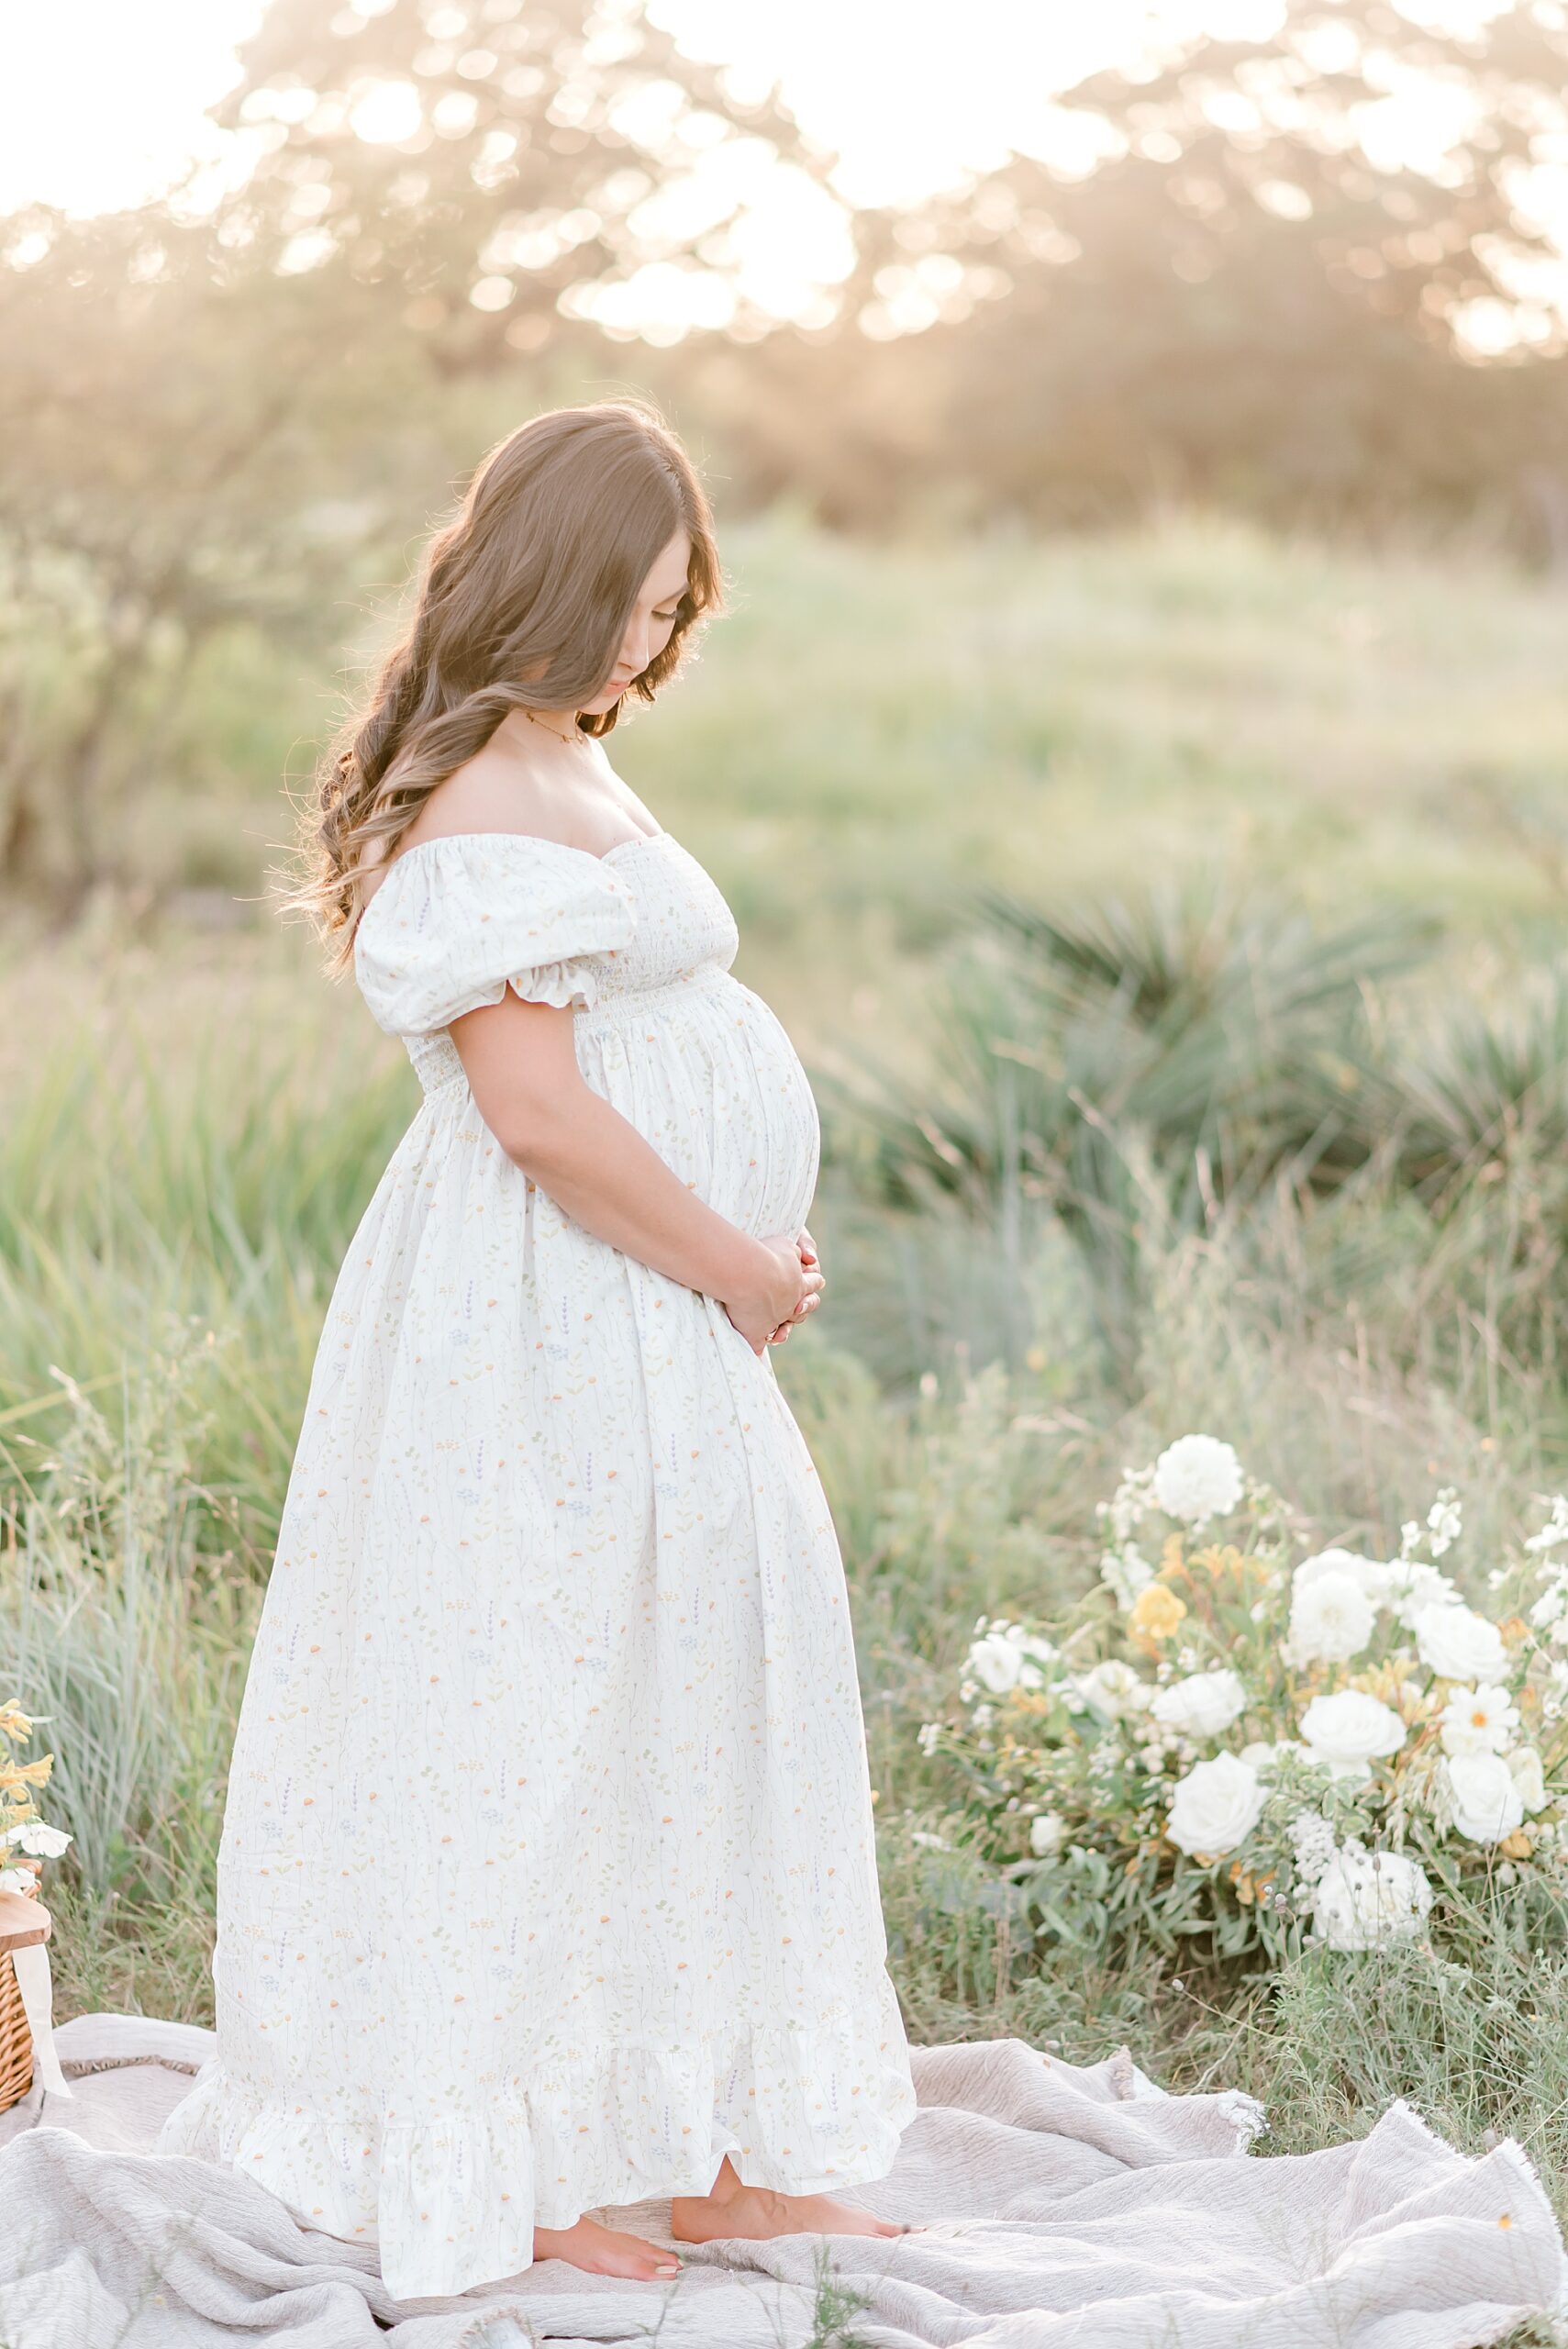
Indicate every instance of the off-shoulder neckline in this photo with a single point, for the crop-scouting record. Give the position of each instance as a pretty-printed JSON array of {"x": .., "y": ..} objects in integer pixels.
[{"x": 534, "y": 840}]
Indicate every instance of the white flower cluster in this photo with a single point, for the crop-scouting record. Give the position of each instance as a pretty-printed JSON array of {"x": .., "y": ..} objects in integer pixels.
[
  {"x": 1312, "y": 1842},
  {"x": 1361, "y": 1900},
  {"x": 1194, "y": 1479},
  {"x": 1554, "y": 1532},
  {"x": 1112, "y": 1689},
  {"x": 1335, "y": 1597},
  {"x": 1124, "y": 1512},
  {"x": 1548, "y": 1614},
  {"x": 1367, "y": 1900},
  {"x": 1126, "y": 1571},
  {"x": 1240, "y": 1681},
  {"x": 1005, "y": 1656},
  {"x": 30, "y": 1835}
]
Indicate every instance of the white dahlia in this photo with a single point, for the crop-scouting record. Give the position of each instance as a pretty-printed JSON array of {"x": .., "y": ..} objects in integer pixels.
[{"x": 1197, "y": 1477}]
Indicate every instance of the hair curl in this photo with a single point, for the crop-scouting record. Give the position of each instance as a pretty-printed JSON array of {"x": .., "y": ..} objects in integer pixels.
[{"x": 523, "y": 599}]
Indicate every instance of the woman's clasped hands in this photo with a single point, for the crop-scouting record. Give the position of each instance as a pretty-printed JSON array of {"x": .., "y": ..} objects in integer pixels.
[{"x": 789, "y": 1289}]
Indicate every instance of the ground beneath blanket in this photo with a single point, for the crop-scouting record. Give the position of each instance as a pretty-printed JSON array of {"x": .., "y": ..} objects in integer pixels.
[{"x": 1057, "y": 2204}]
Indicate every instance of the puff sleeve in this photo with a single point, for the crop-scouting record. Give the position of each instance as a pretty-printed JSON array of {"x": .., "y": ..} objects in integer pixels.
[{"x": 458, "y": 920}]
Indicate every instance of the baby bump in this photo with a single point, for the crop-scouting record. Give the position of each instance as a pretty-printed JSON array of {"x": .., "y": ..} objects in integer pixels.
[{"x": 712, "y": 1081}]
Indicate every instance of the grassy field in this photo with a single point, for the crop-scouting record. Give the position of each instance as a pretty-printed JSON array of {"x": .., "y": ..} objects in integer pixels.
[{"x": 871, "y": 742}]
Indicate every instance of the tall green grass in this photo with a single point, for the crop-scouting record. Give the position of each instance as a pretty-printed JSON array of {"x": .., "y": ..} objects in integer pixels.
[{"x": 1093, "y": 1176}]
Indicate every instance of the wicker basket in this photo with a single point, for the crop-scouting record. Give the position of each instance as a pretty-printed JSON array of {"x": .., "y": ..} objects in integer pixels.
[{"x": 24, "y": 1920}]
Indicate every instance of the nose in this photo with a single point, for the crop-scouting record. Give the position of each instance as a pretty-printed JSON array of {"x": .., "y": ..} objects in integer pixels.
[{"x": 634, "y": 649}]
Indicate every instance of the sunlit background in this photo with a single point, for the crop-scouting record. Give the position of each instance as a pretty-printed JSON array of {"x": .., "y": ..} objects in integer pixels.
[{"x": 102, "y": 107}]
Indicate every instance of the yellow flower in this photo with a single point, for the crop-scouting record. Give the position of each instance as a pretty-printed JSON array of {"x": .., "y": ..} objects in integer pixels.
[
  {"x": 1156, "y": 1612},
  {"x": 1171, "y": 1559},
  {"x": 1518, "y": 1845}
]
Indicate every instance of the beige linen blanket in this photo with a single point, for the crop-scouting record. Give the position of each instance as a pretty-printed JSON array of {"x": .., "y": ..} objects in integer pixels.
[{"x": 1058, "y": 2205}]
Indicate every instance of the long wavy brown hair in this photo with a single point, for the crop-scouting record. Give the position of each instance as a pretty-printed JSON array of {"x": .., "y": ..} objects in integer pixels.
[{"x": 523, "y": 598}]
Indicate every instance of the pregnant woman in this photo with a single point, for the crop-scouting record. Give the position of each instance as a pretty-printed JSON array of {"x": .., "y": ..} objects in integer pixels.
[{"x": 547, "y": 1879}]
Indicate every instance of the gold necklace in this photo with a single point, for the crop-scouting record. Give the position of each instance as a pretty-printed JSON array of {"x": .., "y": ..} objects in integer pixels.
[{"x": 573, "y": 736}]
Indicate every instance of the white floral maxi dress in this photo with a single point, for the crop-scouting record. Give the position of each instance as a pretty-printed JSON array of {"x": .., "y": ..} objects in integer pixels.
[{"x": 546, "y": 1874}]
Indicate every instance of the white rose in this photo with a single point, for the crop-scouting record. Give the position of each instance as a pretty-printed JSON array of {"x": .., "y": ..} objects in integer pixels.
[
  {"x": 1197, "y": 1477},
  {"x": 1215, "y": 1806},
  {"x": 1114, "y": 1689},
  {"x": 1367, "y": 1900},
  {"x": 1367, "y": 1573},
  {"x": 1008, "y": 1657},
  {"x": 996, "y": 1663},
  {"x": 1346, "y": 1731},
  {"x": 17, "y": 1880},
  {"x": 1524, "y": 1768},
  {"x": 1202, "y": 1705},
  {"x": 1047, "y": 1834},
  {"x": 1487, "y": 1804},
  {"x": 1478, "y": 1720},
  {"x": 1459, "y": 1644},
  {"x": 1332, "y": 1618},
  {"x": 32, "y": 1836}
]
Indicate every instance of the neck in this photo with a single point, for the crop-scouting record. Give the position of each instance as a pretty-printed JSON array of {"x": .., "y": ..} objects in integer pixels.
[{"x": 549, "y": 724}]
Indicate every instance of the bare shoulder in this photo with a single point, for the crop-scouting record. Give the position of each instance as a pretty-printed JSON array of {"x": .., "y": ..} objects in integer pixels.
[{"x": 495, "y": 791}]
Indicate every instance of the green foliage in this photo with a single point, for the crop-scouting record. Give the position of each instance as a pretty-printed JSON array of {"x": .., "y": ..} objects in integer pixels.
[
  {"x": 1170, "y": 1063},
  {"x": 122, "y": 1616},
  {"x": 195, "y": 1126}
]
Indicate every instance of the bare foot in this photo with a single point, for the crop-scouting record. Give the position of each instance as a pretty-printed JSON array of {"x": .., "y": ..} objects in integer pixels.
[
  {"x": 755, "y": 2213},
  {"x": 600, "y": 2251}
]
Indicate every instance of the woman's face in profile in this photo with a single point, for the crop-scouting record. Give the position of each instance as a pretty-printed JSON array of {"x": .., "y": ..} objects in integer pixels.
[{"x": 652, "y": 617}]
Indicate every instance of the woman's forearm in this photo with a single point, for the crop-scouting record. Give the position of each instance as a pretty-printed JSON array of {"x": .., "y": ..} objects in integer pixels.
[{"x": 611, "y": 1180}]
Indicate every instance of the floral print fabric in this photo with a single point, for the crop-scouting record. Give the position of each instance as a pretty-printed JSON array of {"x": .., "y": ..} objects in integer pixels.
[{"x": 546, "y": 1874}]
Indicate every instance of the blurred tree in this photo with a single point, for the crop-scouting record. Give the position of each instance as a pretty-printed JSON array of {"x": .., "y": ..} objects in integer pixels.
[
  {"x": 210, "y": 417},
  {"x": 181, "y": 455},
  {"x": 1308, "y": 272},
  {"x": 489, "y": 165}
]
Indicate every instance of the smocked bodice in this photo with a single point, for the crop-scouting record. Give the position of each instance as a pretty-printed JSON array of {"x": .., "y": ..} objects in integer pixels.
[{"x": 624, "y": 936}]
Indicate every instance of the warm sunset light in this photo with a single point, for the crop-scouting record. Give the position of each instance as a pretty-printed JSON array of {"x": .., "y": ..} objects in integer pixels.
[{"x": 104, "y": 107}]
